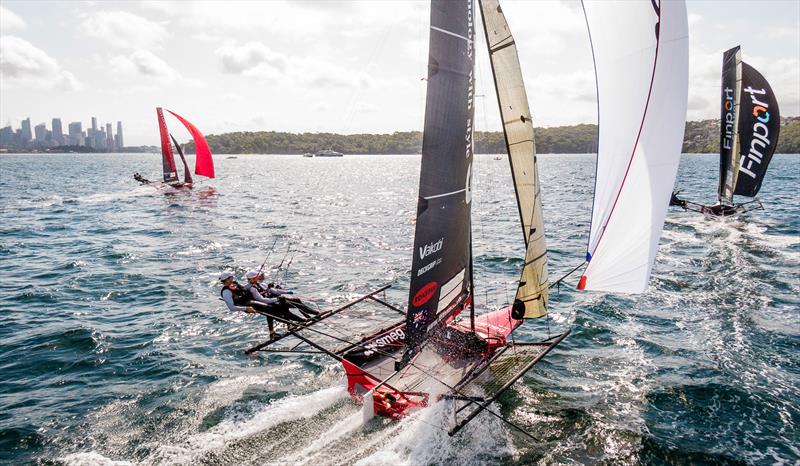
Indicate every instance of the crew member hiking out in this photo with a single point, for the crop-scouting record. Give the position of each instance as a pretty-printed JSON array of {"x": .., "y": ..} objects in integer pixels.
[
  {"x": 241, "y": 299},
  {"x": 271, "y": 290},
  {"x": 140, "y": 178}
]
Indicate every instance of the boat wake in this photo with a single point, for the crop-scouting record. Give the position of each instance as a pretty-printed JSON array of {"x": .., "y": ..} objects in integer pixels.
[
  {"x": 45, "y": 202},
  {"x": 324, "y": 427}
]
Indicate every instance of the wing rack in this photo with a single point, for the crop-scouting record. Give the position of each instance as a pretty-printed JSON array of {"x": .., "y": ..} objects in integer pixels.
[
  {"x": 491, "y": 380},
  {"x": 315, "y": 341}
]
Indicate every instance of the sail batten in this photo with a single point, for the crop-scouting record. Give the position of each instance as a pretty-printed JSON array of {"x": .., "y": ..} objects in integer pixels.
[
  {"x": 639, "y": 68},
  {"x": 532, "y": 292}
]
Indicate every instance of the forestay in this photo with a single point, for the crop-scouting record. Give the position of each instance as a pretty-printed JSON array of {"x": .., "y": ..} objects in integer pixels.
[
  {"x": 519, "y": 137},
  {"x": 641, "y": 63},
  {"x": 440, "y": 271}
]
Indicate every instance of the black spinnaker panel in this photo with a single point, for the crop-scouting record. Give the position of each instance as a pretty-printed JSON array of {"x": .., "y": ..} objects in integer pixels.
[
  {"x": 759, "y": 126},
  {"x": 728, "y": 135},
  {"x": 440, "y": 272},
  {"x": 187, "y": 174}
]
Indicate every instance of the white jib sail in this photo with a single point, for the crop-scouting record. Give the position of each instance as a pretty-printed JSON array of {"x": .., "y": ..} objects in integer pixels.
[{"x": 641, "y": 58}]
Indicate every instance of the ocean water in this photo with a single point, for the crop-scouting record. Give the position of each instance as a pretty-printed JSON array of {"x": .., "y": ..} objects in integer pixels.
[{"x": 115, "y": 349}]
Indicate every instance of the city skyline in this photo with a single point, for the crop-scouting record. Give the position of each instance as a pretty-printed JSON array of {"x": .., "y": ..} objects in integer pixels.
[
  {"x": 95, "y": 137},
  {"x": 333, "y": 66}
]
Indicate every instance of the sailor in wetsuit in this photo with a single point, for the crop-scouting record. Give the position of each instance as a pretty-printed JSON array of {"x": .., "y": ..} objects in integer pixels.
[
  {"x": 270, "y": 290},
  {"x": 140, "y": 178},
  {"x": 239, "y": 299}
]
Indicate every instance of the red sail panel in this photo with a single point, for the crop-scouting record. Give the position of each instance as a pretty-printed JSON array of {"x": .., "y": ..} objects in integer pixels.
[
  {"x": 167, "y": 157},
  {"x": 204, "y": 164}
]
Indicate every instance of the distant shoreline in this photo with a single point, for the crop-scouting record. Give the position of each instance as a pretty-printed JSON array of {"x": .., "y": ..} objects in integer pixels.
[{"x": 700, "y": 137}]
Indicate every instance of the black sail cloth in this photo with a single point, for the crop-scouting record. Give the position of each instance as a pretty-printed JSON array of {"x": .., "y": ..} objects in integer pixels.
[
  {"x": 440, "y": 272},
  {"x": 759, "y": 126}
]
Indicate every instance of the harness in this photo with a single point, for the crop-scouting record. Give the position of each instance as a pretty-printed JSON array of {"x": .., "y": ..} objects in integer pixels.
[{"x": 261, "y": 289}]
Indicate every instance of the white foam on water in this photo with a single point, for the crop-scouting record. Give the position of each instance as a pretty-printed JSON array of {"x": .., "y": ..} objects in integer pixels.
[
  {"x": 340, "y": 429},
  {"x": 422, "y": 438},
  {"x": 238, "y": 426},
  {"x": 92, "y": 459}
]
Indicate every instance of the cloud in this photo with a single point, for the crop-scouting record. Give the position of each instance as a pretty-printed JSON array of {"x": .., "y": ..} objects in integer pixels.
[
  {"x": 144, "y": 63},
  {"x": 22, "y": 63},
  {"x": 123, "y": 29},
  {"x": 256, "y": 60},
  {"x": 9, "y": 21},
  {"x": 252, "y": 59}
]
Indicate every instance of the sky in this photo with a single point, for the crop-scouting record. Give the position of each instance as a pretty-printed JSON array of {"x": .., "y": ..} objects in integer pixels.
[{"x": 331, "y": 66}]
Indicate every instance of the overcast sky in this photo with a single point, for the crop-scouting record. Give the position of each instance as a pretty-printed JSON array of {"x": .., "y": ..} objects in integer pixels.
[{"x": 346, "y": 67}]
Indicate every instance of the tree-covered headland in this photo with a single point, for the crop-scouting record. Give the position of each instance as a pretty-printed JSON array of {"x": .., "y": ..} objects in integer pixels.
[{"x": 699, "y": 137}]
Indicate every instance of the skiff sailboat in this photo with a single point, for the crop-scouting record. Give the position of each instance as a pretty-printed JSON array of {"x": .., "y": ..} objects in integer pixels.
[
  {"x": 749, "y": 126},
  {"x": 204, "y": 164},
  {"x": 441, "y": 347}
]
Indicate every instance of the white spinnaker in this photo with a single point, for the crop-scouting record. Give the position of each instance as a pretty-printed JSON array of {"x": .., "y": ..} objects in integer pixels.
[{"x": 642, "y": 84}]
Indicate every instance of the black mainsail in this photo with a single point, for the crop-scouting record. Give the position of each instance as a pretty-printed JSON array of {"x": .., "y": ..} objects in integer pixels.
[
  {"x": 440, "y": 270},
  {"x": 759, "y": 126},
  {"x": 187, "y": 174},
  {"x": 729, "y": 124},
  {"x": 531, "y": 297}
]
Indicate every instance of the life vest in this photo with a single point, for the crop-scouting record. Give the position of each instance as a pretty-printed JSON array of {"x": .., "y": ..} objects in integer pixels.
[
  {"x": 240, "y": 296},
  {"x": 261, "y": 288}
]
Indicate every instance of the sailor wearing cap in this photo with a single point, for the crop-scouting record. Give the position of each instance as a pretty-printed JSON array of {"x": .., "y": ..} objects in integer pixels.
[
  {"x": 235, "y": 297},
  {"x": 247, "y": 299}
]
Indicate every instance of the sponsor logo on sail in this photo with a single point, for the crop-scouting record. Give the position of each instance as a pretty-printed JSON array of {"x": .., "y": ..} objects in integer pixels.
[
  {"x": 424, "y": 294},
  {"x": 729, "y": 120},
  {"x": 760, "y": 133},
  {"x": 428, "y": 267},
  {"x": 429, "y": 249}
]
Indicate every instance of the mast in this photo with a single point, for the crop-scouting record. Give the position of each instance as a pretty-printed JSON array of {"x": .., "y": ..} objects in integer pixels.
[
  {"x": 729, "y": 124},
  {"x": 759, "y": 127},
  {"x": 531, "y": 296},
  {"x": 167, "y": 157},
  {"x": 642, "y": 76},
  {"x": 440, "y": 270}
]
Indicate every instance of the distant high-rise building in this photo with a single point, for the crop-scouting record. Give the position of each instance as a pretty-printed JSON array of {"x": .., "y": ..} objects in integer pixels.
[
  {"x": 7, "y": 136},
  {"x": 120, "y": 142},
  {"x": 99, "y": 140},
  {"x": 109, "y": 138},
  {"x": 26, "y": 131},
  {"x": 58, "y": 132},
  {"x": 41, "y": 133},
  {"x": 94, "y": 124},
  {"x": 76, "y": 133}
]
